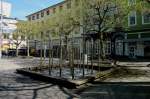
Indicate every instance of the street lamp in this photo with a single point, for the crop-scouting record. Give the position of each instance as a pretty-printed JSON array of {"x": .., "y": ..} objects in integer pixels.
[{"x": 1, "y": 28}]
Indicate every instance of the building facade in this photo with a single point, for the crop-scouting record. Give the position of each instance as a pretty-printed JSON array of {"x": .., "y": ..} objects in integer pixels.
[
  {"x": 7, "y": 28},
  {"x": 133, "y": 42},
  {"x": 5, "y": 8},
  {"x": 48, "y": 12}
]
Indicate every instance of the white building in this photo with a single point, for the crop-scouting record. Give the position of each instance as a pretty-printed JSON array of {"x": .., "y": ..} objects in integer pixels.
[
  {"x": 5, "y": 9},
  {"x": 9, "y": 24},
  {"x": 7, "y": 27}
]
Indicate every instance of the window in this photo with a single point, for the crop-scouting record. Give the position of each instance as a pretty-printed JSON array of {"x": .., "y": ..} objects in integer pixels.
[
  {"x": 146, "y": 18},
  {"x": 54, "y": 10},
  {"x": 47, "y": 12},
  {"x": 29, "y": 18},
  {"x": 132, "y": 2},
  {"x": 132, "y": 19},
  {"x": 37, "y": 16},
  {"x": 60, "y": 8},
  {"x": 108, "y": 48},
  {"x": 33, "y": 17},
  {"x": 96, "y": 47},
  {"x": 42, "y": 14}
]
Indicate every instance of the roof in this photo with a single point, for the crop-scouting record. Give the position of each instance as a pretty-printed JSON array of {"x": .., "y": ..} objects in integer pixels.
[{"x": 47, "y": 8}]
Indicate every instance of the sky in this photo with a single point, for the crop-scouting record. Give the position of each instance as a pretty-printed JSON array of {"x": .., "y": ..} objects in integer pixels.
[{"x": 22, "y": 8}]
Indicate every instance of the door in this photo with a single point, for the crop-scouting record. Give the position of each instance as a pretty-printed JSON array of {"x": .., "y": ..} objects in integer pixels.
[
  {"x": 119, "y": 47},
  {"x": 147, "y": 51},
  {"x": 132, "y": 51}
]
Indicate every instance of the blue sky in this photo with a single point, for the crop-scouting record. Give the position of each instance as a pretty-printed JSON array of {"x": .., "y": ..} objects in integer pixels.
[{"x": 22, "y": 8}]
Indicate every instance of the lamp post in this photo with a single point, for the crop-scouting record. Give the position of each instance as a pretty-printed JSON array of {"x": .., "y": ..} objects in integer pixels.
[{"x": 1, "y": 28}]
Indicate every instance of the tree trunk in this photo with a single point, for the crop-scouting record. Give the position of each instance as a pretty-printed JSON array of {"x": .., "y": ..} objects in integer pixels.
[
  {"x": 92, "y": 48},
  {"x": 35, "y": 48},
  {"x": 72, "y": 59},
  {"x": 60, "y": 60},
  {"x": 83, "y": 57},
  {"x": 52, "y": 52},
  {"x": 67, "y": 49},
  {"x": 41, "y": 54},
  {"x": 99, "y": 54},
  {"x": 44, "y": 49},
  {"x": 102, "y": 54},
  {"x": 17, "y": 52},
  {"x": 49, "y": 64},
  {"x": 28, "y": 48}
]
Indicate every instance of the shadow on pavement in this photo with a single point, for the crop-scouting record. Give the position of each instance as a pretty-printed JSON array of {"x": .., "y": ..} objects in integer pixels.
[
  {"x": 15, "y": 86},
  {"x": 117, "y": 91}
]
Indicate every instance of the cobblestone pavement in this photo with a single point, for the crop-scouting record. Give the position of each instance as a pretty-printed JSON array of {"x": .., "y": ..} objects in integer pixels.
[{"x": 16, "y": 86}]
